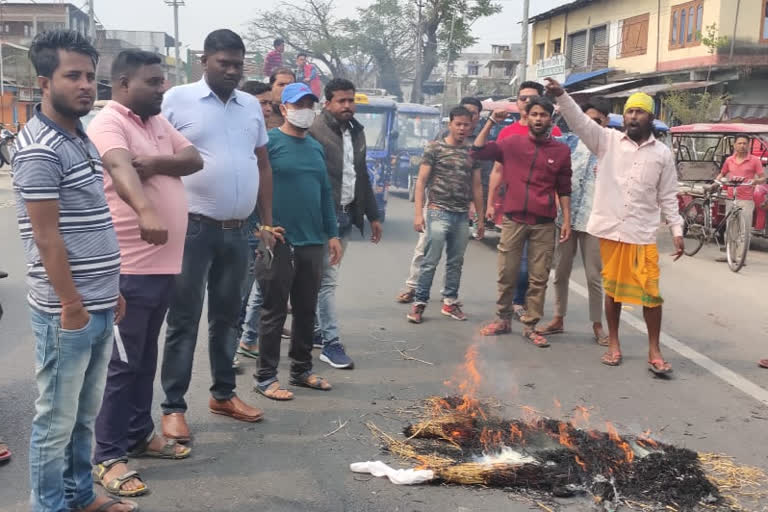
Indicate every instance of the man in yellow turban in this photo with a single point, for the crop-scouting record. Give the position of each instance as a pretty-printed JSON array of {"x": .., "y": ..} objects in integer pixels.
[{"x": 636, "y": 184}]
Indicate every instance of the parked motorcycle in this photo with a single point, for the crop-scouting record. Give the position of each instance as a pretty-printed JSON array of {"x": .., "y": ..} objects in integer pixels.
[{"x": 7, "y": 145}]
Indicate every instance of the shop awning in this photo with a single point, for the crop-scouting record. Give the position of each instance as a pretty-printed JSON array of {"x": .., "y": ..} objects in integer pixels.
[
  {"x": 604, "y": 87},
  {"x": 575, "y": 78},
  {"x": 652, "y": 90}
]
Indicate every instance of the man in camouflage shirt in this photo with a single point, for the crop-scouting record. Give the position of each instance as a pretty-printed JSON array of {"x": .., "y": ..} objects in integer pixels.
[{"x": 454, "y": 179}]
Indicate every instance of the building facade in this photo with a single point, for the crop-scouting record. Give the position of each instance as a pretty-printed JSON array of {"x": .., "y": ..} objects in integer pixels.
[{"x": 613, "y": 41}]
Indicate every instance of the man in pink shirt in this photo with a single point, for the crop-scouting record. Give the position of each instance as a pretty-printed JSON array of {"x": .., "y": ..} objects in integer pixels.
[
  {"x": 145, "y": 158},
  {"x": 636, "y": 184},
  {"x": 740, "y": 167}
]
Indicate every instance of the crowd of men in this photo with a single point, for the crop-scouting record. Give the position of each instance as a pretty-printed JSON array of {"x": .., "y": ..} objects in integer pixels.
[{"x": 248, "y": 196}]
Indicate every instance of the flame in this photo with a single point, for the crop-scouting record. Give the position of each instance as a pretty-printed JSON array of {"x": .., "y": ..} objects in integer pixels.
[
  {"x": 645, "y": 439},
  {"x": 580, "y": 462},
  {"x": 515, "y": 434},
  {"x": 491, "y": 439},
  {"x": 613, "y": 435},
  {"x": 564, "y": 438}
]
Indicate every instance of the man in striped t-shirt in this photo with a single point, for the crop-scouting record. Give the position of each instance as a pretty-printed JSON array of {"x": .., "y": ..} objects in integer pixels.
[{"x": 73, "y": 262}]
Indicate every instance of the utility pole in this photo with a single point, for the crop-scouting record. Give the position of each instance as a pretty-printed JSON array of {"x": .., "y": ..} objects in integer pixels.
[
  {"x": 418, "y": 85},
  {"x": 448, "y": 64},
  {"x": 524, "y": 41},
  {"x": 176, "y": 4},
  {"x": 91, "y": 21}
]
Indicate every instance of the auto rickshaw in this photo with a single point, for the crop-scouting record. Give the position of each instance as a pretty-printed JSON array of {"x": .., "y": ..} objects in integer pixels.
[
  {"x": 416, "y": 125},
  {"x": 377, "y": 115}
]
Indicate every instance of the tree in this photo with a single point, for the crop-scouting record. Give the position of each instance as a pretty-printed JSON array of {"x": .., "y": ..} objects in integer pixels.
[
  {"x": 436, "y": 28},
  {"x": 385, "y": 30},
  {"x": 307, "y": 27},
  {"x": 689, "y": 107},
  {"x": 713, "y": 42}
]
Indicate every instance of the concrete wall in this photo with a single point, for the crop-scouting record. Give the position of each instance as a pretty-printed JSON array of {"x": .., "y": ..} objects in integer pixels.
[{"x": 659, "y": 56}]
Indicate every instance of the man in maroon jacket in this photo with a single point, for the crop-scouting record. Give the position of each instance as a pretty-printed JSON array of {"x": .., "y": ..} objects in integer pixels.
[{"x": 535, "y": 169}]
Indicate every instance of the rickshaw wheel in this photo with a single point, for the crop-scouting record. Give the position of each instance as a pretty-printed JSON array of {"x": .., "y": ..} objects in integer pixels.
[
  {"x": 693, "y": 226},
  {"x": 737, "y": 238}
]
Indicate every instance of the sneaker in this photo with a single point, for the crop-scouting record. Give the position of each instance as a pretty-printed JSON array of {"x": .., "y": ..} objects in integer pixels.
[
  {"x": 236, "y": 364},
  {"x": 417, "y": 311},
  {"x": 335, "y": 356},
  {"x": 286, "y": 334},
  {"x": 454, "y": 311},
  {"x": 317, "y": 340}
]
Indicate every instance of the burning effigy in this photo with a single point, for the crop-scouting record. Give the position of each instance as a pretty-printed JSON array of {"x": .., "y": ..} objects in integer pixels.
[{"x": 463, "y": 440}]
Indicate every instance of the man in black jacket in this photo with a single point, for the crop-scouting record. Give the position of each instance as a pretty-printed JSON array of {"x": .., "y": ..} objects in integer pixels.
[{"x": 343, "y": 139}]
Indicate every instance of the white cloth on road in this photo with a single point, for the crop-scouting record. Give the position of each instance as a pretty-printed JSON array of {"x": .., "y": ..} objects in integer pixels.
[{"x": 396, "y": 476}]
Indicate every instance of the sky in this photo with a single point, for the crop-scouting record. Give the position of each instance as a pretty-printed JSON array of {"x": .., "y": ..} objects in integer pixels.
[{"x": 199, "y": 17}]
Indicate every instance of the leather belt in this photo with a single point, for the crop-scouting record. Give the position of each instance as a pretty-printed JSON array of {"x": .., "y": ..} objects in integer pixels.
[{"x": 223, "y": 224}]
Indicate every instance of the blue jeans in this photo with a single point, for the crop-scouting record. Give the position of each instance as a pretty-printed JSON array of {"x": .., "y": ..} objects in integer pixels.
[
  {"x": 327, "y": 321},
  {"x": 216, "y": 259},
  {"x": 522, "y": 280},
  {"x": 70, "y": 371},
  {"x": 449, "y": 231},
  {"x": 253, "y": 303}
]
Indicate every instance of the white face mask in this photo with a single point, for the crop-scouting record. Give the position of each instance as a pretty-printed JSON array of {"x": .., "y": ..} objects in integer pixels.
[{"x": 300, "y": 118}]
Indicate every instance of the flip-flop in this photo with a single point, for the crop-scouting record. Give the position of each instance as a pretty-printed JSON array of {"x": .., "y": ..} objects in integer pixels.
[
  {"x": 603, "y": 341},
  {"x": 247, "y": 352},
  {"x": 659, "y": 367},
  {"x": 5, "y": 453},
  {"x": 496, "y": 328},
  {"x": 763, "y": 363},
  {"x": 104, "y": 507},
  {"x": 611, "y": 359},
  {"x": 535, "y": 338},
  {"x": 550, "y": 332}
]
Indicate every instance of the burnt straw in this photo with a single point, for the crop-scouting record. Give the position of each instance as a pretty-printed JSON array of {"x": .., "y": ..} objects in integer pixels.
[{"x": 568, "y": 460}]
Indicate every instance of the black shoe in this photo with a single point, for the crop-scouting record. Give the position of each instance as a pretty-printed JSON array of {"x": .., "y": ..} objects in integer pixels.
[{"x": 3, "y": 274}]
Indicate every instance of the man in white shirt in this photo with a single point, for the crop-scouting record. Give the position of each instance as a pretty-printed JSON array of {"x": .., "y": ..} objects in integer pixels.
[
  {"x": 636, "y": 184},
  {"x": 227, "y": 128}
]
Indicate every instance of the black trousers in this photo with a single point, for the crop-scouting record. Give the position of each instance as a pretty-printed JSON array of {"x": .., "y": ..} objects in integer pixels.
[
  {"x": 294, "y": 273},
  {"x": 125, "y": 418}
]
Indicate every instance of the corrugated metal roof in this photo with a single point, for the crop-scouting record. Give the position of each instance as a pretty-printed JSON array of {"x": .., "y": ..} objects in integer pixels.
[
  {"x": 575, "y": 78},
  {"x": 605, "y": 87},
  {"x": 657, "y": 88}
]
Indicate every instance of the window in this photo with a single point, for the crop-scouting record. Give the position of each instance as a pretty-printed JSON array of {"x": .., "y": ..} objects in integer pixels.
[
  {"x": 686, "y": 23},
  {"x": 473, "y": 68},
  {"x": 598, "y": 46},
  {"x": 539, "y": 52},
  {"x": 634, "y": 36},
  {"x": 577, "y": 50},
  {"x": 764, "y": 23},
  {"x": 557, "y": 46}
]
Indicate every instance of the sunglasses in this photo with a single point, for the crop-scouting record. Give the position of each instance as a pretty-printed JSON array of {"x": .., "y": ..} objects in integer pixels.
[{"x": 525, "y": 97}]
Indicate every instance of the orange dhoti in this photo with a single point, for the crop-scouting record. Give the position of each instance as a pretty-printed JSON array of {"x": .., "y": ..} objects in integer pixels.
[{"x": 631, "y": 272}]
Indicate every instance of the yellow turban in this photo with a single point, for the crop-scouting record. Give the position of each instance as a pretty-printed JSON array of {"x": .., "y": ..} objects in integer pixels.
[{"x": 640, "y": 100}]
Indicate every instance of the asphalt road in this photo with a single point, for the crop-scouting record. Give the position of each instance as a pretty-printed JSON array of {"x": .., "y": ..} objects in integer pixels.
[{"x": 291, "y": 463}]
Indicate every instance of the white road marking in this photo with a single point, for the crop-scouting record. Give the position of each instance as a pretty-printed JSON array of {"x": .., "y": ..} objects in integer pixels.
[{"x": 734, "y": 379}]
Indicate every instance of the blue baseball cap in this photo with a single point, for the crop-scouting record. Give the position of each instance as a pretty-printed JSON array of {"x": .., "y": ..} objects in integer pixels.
[{"x": 295, "y": 91}]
